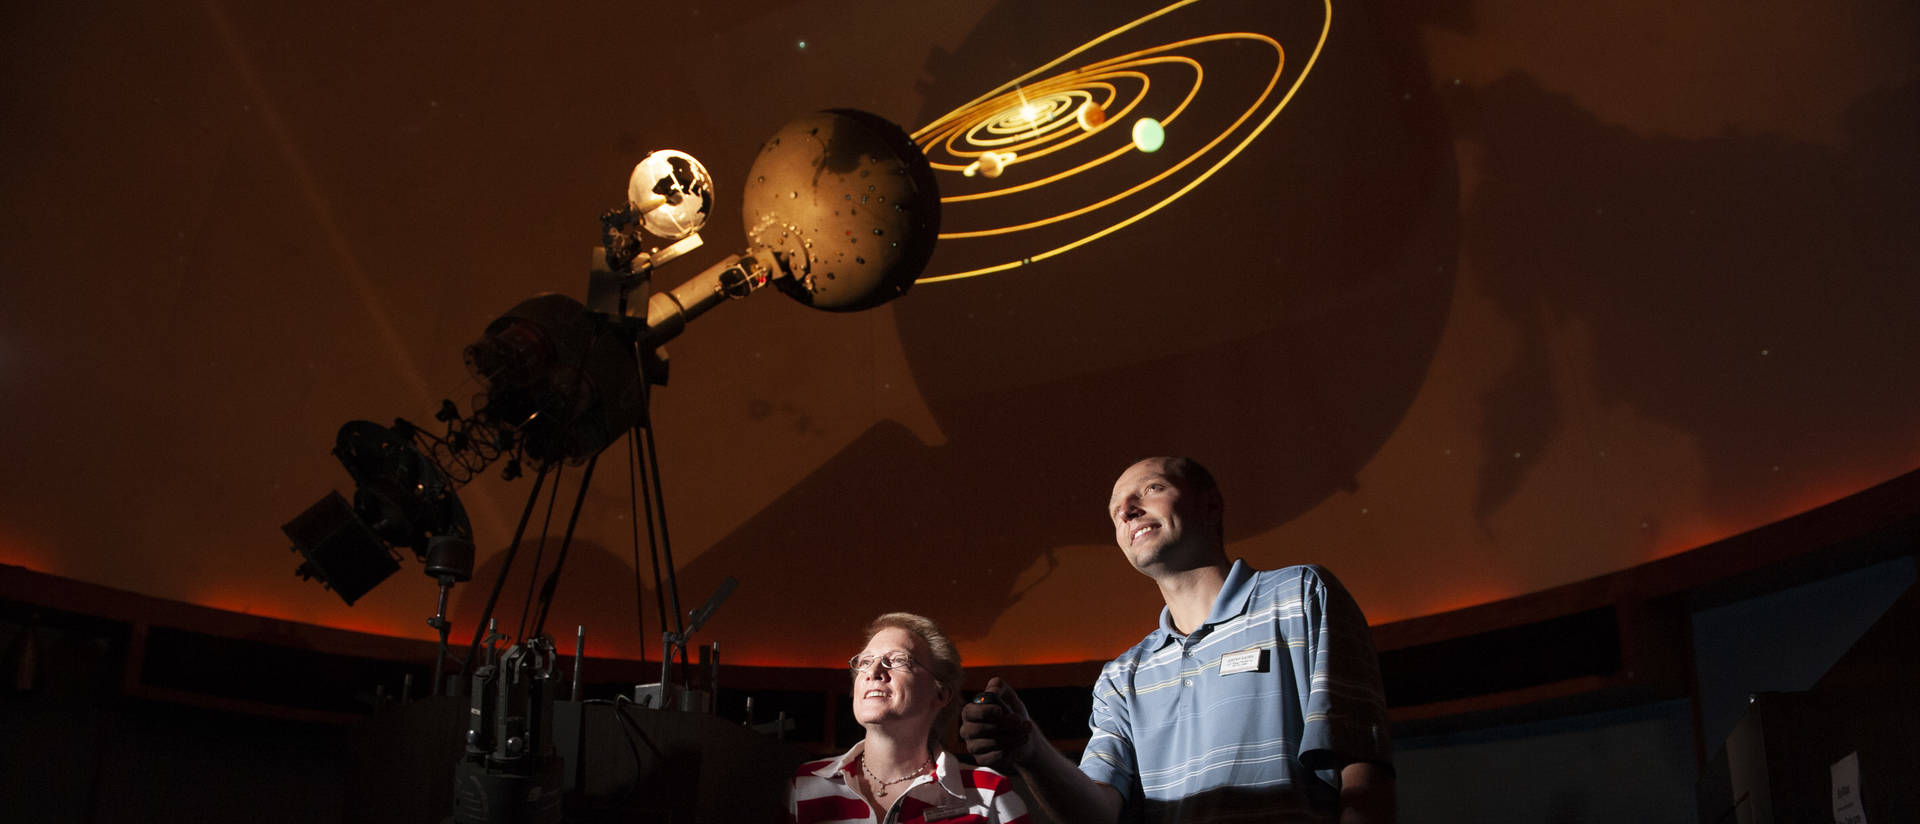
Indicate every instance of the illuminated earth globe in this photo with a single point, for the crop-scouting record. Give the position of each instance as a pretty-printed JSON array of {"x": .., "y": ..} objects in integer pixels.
[{"x": 672, "y": 192}]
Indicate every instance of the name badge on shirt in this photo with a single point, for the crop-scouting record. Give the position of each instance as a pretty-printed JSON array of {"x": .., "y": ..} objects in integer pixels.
[
  {"x": 944, "y": 813},
  {"x": 1246, "y": 660}
]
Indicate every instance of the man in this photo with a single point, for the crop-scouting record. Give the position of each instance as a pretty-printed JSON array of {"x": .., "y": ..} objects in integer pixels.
[{"x": 1258, "y": 698}]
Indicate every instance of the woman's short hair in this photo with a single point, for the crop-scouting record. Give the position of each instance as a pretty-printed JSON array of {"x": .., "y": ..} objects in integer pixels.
[{"x": 944, "y": 663}]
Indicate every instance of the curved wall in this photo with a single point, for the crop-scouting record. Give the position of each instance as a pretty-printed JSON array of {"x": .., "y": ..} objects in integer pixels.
[{"x": 1507, "y": 297}]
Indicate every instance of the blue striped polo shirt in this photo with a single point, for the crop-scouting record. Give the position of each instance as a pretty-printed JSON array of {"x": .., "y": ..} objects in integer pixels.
[{"x": 1251, "y": 715}]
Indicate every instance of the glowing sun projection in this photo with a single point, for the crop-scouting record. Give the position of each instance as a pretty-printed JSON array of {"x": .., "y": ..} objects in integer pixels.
[{"x": 1039, "y": 152}]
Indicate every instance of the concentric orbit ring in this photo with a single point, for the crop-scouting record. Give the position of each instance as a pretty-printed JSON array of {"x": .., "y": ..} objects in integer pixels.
[
  {"x": 1030, "y": 120},
  {"x": 1013, "y": 102},
  {"x": 1083, "y": 135},
  {"x": 1106, "y": 103}
]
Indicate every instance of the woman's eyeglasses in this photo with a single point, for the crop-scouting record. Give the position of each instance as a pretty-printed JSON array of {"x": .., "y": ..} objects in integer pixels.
[{"x": 890, "y": 661}]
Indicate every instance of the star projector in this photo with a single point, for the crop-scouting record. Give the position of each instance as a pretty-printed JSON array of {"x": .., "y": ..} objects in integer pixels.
[
  {"x": 672, "y": 193},
  {"x": 841, "y": 214}
]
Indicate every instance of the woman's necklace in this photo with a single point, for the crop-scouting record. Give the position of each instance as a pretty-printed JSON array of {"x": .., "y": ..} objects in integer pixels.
[{"x": 880, "y": 786}]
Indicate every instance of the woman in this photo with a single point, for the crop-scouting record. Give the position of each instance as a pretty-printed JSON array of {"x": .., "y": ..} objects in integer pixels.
[{"x": 906, "y": 692}]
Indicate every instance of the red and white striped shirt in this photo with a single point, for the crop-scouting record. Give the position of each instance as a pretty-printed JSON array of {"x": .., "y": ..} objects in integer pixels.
[{"x": 953, "y": 793}]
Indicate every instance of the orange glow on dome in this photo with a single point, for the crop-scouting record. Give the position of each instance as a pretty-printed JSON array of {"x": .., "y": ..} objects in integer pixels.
[
  {"x": 1479, "y": 596},
  {"x": 265, "y": 605},
  {"x": 1687, "y": 538},
  {"x": 17, "y": 551}
]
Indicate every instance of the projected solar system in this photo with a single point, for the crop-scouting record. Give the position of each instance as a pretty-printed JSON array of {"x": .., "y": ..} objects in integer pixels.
[{"x": 1072, "y": 117}]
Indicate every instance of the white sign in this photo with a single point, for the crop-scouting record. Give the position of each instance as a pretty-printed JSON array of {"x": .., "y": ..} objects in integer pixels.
[
  {"x": 1846, "y": 791},
  {"x": 1246, "y": 660}
]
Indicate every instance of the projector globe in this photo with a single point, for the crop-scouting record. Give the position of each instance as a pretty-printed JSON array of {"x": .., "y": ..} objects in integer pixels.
[{"x": 672, "y": 192}]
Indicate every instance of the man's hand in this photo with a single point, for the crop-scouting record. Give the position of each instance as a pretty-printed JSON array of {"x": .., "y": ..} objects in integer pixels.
[
  {"x": 1367, "y": 795},
  {"x": 1001, "y": 736},
  {"x": 997, "y": 730}
]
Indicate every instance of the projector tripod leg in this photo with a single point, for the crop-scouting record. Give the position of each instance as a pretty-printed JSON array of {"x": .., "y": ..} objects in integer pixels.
[{"x": 439, "y": 622}]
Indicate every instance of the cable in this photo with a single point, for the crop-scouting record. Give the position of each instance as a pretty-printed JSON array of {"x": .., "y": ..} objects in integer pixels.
[
  {"x": 513, "y": 549},
  {"x": 633, "y": 510},
  {"x": 666, "y": 549},
  {"x": 566, "y": 546},
  {"x": 546, "y": 528}
]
